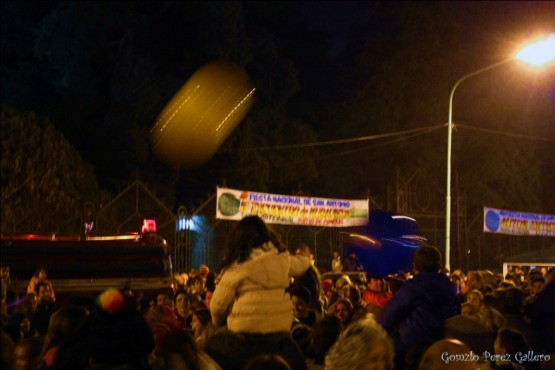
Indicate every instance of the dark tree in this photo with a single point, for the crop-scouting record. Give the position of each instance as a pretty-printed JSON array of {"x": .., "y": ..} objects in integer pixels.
[{"x": 46, "y": 185}]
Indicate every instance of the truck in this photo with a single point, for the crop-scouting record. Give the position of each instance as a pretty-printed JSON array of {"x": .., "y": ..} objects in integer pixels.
[{"x": 89, "y": 264}]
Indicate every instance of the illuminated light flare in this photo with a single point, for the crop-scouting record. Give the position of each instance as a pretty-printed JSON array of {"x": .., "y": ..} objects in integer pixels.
[
  {"x": 363, "y": 238},
  {"x": 538, "y": 53},
  {"x": 202, "y": 114},
  {"x": 397, "y": 217}
]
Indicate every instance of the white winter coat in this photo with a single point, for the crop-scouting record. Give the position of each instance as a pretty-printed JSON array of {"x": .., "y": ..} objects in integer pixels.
[{"x": 251, "y": 295}]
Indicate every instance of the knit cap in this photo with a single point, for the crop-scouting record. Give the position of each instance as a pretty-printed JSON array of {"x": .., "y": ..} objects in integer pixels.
[{"x": 119, "y": 333}]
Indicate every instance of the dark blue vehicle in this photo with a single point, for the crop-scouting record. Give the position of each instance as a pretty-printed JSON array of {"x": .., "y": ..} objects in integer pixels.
[{"x": 386, "y": 245}]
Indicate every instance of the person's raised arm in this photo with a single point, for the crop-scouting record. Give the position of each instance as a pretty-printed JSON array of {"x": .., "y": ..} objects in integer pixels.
[{"x": 298, "y": 264}]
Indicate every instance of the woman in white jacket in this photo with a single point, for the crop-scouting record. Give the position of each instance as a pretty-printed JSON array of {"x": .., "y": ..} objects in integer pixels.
[{"x": 251, "y": 297}]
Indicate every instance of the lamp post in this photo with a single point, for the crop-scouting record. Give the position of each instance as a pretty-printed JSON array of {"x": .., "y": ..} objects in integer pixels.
[{"x": 537, "y": 54}]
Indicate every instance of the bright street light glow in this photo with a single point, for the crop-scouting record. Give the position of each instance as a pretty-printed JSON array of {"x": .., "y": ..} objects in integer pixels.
[{"x": 538, "y": 53}]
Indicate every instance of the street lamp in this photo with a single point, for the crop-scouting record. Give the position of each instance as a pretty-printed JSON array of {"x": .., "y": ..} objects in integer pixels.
[{"x": 536, "y": 54}]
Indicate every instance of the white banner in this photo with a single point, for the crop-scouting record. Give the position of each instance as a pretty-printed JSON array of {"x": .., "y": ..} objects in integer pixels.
[
  {"x": 287, "y": 209},
  {"x": 518, "y": 223}
]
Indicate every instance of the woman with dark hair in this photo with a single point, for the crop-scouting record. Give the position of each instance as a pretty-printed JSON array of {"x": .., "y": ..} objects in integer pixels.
[
  {"x": 311, "y": 280},
  {"x": 66, "y": 341},
  {"x": 250, "y": 234},
  {"x": 251, "y": 297},
  {"x": 182, "y": 304},
  {"x": 344, "y": 311}
]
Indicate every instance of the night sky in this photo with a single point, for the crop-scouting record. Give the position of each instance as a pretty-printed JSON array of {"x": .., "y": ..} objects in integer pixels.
[{"x": 102, "y": 71}]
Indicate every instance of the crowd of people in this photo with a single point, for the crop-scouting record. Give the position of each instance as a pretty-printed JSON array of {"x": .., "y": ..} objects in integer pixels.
[{"x": 269, "y": 308}]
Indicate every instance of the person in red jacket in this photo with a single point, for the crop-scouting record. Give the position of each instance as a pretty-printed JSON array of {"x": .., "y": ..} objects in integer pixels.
[{"x": 376, "y": 293}]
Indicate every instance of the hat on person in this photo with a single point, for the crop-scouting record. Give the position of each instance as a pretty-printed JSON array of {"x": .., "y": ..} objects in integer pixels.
[{"x": 119, "y": 333}]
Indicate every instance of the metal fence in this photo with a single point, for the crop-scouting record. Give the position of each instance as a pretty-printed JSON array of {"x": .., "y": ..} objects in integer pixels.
[
  {"x": 196, "y": 237},
  {"x": 126, "y": 211},
  {"x": 322, "y": 240}
]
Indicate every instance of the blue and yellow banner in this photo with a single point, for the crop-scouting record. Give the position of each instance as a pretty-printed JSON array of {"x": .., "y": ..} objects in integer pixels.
[
  {"x": 502, "y": 221},
  {"x": 288, "y": 209}
]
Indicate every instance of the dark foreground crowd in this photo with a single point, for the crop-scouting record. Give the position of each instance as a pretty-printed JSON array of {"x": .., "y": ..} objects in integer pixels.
[{"x": 270, "y": 309}]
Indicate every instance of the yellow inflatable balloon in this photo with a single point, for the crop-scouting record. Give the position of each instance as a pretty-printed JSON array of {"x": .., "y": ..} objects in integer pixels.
[{"x": 202, "y": 114}]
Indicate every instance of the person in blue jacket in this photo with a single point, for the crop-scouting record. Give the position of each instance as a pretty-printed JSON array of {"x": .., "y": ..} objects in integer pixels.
[{"x": 415, "y": 316}]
